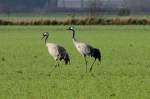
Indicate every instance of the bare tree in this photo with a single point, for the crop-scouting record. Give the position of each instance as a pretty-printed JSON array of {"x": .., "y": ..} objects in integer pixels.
[
  {"x": 95, "y": 7},
  {"x": 63, "y": 3},
  {"x": 50, "y": 5},
  {"x": 135, "y": 6},
  {"x": 82, "y": 3}
]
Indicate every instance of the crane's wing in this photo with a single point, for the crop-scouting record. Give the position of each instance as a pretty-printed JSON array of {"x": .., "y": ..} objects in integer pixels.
[
  {"x": 84, "y": 49},
  {"x": 58, "y": 52},
  {"x": 63, "y": 54}
]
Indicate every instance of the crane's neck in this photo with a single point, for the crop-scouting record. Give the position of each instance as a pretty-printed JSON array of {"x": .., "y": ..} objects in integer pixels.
[
  {"x": 75, "y": 42},
  {"x": 73, "y": 35},
  {"x": 46, "y": 40}
]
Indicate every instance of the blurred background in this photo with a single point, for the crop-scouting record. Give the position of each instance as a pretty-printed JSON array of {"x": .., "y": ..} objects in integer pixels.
[
  {"x": 66, "y": 12},
  {"x": 75, "y": 7}
]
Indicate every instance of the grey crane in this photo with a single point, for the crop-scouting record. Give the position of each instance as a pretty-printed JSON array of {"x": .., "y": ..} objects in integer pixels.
[
  {"x": 85, "y": 49},
  {"x": 56, "y": 51}
]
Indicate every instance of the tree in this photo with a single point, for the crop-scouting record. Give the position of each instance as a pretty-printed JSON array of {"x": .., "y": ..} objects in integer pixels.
[
  {"x": 135, "y": 6},
  {"x": 82, "y": 3},
  {"x": 63, "y": 3},
  {"x": 95, "y": 7}
]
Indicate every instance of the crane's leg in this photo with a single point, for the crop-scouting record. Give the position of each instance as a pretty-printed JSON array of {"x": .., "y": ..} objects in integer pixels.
[
  {"x": 85, "y": 62},
  {"x": 56, "y": 65},
  {"x": 92, "y": 65}
]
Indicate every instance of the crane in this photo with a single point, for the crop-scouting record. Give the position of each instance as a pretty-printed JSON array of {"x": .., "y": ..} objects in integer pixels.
[
  {"x": 85, "y": 49},
  {"x": 56, "y": 51}
]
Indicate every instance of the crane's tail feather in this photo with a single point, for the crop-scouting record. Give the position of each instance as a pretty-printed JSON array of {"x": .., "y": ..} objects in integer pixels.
[
  {"x": 66, "y": 59},
  {"x": 96, "y": 54}
]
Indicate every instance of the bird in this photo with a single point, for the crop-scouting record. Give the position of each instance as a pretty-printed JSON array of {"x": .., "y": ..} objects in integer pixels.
[
  {"x": 85, "y": 49},
  {"x": 56, "y": 51}
]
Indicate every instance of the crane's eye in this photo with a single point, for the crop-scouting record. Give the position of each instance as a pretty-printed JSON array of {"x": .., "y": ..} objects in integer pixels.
[{"x": 71, "y": 28}]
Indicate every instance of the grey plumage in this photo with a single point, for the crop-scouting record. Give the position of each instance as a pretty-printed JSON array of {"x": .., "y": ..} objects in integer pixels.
[
  {"x": 56, "y": 51},
  {"x": 85, "y": 49},
  {"x": 63, "y": 55}
]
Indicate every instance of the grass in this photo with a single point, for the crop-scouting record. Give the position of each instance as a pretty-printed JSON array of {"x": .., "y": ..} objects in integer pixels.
[{"x": 25, "y": 64}]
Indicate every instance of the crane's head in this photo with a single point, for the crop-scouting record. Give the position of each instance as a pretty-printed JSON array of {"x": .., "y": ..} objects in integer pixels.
[
  {"x": 45, "y": 34},
  {"x": 70, "y": 28},
  {"x": 73, "y": 31}
]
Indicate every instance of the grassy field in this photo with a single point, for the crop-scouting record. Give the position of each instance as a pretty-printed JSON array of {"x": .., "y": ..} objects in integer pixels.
[{"x": 25, "y": 64}]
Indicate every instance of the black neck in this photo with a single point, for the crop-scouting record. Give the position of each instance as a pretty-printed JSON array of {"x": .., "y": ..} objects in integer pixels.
[
  {"x": 73, "y": 36},
  {"x": 46, "y": 39}
]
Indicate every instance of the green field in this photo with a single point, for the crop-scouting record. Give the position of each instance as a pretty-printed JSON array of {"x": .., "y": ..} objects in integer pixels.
[{"x": 25, "y": 64}]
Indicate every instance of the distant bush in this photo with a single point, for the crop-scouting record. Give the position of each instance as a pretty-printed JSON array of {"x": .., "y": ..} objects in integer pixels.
[
  {"x": 80, "y": 21},
  {"x": 5, "y": 22}
]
